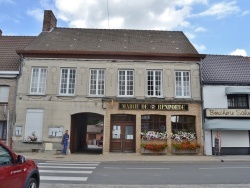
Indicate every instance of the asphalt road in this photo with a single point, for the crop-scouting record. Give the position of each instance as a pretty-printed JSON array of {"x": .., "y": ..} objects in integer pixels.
[{"x": 148, "y": 174}]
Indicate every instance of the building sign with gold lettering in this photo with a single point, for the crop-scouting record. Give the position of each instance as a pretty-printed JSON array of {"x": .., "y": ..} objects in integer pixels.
[
  {"x": 227, "y": 112},
  {"x": 146, "y": 106}
]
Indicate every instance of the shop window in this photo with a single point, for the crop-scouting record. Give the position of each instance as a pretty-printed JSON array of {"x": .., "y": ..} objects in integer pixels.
[
  {"x": 183, "y": 123},
  {"x": 153, "y": 123},
  {"x": 3, "y": 130},
  {"x": 237, "y": 101}
]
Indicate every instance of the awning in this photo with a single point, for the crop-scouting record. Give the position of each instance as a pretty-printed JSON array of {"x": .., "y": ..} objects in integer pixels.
[
  {"x": 227, "y": 124},
  {"x": 237, "y": 90}
]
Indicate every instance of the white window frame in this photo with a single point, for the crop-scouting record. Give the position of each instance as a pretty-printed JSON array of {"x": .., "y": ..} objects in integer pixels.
[
  {"x": 98, "y": 82},
  {"x": 40, "y": 85},
  {"x": 154, "y": 84},
  {"x": 126, "y": 82},
  {"x": 4, "y": 94},
  {"x": 68, "y": 82},
  {"x": 183, "y": 92}
]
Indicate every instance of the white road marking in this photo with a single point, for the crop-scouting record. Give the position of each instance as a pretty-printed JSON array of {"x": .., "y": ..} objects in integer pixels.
[
  {"x": 216, "y": 168},
  {"x": 66, "y": 167},
  {"x": 60, "y": 178},
  {"x": 68, "y": 164},
  {"x": 63, "y": 162},
  {"x": 66, "y": 172},
  {"x": 138, "y": 168}
]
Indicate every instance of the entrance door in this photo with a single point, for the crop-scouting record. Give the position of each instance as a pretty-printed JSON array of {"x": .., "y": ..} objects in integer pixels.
[{"x": 122, "y": 134}]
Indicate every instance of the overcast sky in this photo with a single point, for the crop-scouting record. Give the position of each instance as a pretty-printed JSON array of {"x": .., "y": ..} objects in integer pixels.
[{"x": 213, "y": 26}]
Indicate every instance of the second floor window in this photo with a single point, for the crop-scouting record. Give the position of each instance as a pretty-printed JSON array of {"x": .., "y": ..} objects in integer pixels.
[
  {"x": 154, "y": 83},
  {"x": 126, "y": 83},
  {"x": 38, "y": 81},
  {"x": 68, "y": 79},
  {"x": 97, "y": 81},
  {"x": 182, "y": 84},
  {"x": 237, "y": 101}
]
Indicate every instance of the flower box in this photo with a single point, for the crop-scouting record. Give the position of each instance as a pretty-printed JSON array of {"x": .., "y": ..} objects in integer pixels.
[
  {"x": 147, "y": 151},
  {"x": 185, "y": 151}
]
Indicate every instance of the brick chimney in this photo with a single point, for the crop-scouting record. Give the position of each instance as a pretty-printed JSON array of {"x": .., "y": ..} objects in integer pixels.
[
  {"x": 49, "y": 20},
  {"x": 1, "y": 32}
]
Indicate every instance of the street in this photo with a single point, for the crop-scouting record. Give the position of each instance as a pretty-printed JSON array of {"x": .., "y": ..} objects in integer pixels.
[{"x": 138, "y": 174}]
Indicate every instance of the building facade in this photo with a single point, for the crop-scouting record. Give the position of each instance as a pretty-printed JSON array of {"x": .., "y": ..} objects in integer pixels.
[
  {"x": 129, "y": 80},
  {"x": 9, "y": 72},
  {"x": 226, "y": 91}
]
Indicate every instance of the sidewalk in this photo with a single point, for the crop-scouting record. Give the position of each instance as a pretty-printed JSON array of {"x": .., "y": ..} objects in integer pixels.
[{"x": 132, "y": 157}]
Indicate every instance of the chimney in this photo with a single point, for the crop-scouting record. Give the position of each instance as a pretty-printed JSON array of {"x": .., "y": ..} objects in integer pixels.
[
  {"x": 1, "y": 32},
  {"x": 49, "y": 20}
]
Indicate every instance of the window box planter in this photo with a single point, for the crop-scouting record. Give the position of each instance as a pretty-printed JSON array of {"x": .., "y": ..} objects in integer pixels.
[
  {"x": 185, "y": 151},
  {"x": 154, "y": 147}
]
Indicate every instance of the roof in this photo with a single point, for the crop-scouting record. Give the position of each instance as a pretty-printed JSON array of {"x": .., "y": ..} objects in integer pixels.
[
  {"x": 225, "y": 69},
  {"x": 75, "y": 40},
  {"x": 9, "y": 59}
]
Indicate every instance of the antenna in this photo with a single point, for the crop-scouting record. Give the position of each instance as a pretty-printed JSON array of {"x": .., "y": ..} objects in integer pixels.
[{"x": 108, "y": 12}]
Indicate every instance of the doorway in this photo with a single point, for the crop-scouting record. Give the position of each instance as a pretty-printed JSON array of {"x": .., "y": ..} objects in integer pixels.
[
  {"x": 86, "y": 132},
  {"x": 122, "y": 133}
]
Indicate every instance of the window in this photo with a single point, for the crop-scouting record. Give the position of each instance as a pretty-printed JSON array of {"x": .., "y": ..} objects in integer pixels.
[
  {"x": 5, "y": 157},
  {"x": 237, "y": 101},
  {"x": 126, "y": 82},
  {"x": 154, "y": 83},
  {"x": 68, "y": 78},
  {"x": 38, "y": 81},
  {"x": 3, "y": 130},
  {"x": 153, "y": 123},
  {"x": 18, "y": 131},
  {"x": 55, "y": 131},
  {"x": 4, "y": 94},
  {"x": 97, "y": 81},
  {"x": 182, "y": 84},
  {"x": 183, "y": 123}
]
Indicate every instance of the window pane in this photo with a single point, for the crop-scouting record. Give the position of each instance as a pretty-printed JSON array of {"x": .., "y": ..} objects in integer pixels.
[
  {"x": 126, "y": 82},
  {"x": 154, "y": 86},
  {"x": 97, "y": 81},
  {"x": 182, "y": 84},
  {"x": 68, "y": 81}
]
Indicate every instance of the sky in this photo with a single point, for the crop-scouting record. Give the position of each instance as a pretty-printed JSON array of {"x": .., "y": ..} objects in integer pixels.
[{"x": 212, "y": 26}]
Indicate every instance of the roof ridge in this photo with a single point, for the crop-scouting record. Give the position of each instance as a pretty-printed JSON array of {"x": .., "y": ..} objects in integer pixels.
[{"x": 116, "y": 29}]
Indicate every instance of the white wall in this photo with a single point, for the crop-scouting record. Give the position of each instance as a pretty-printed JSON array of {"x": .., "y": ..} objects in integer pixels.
[{"x": 233, "y": 138}]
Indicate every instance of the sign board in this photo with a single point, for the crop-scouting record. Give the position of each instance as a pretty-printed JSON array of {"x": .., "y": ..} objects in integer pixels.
[
  {"x": 216, "y": 112},
  {"x": 146, "y": 106}
]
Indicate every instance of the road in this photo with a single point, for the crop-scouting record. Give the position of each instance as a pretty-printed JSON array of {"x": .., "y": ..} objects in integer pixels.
[{"x": 232, "y": 174}]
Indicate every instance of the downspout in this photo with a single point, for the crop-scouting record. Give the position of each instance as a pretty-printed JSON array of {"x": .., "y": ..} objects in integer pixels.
[
  {"x": 14, "y": 111},
  {"x": 202, "y": 105}
]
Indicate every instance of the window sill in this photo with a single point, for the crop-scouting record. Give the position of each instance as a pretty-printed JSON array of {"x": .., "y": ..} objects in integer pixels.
[
  {"x": 31, "y": 94},
  {"x": 32, "y": 142},
  {"x": 95, "y": 96}
]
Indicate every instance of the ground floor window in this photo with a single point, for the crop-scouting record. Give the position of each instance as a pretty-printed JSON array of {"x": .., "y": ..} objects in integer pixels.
[
  {"x": 183, "y": 123},
  {"x": 155, "y": 123},
  {"x": 3, "y": 130}
]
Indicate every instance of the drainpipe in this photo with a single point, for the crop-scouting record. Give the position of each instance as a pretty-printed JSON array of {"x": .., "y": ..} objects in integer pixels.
[
  {"x": 202, "y": 104},
  {"x": 14, "y": 110}
]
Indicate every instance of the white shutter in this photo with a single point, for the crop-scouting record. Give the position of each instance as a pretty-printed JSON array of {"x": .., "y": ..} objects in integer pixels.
[
  {"x": 34, "y": 123},
  {"x": 4, "y": 93}
]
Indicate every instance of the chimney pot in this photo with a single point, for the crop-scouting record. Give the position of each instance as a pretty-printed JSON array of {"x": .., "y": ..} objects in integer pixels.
[{"x": 49, "y": 20}]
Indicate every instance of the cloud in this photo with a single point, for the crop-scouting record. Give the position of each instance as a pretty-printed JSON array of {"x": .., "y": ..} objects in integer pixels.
[
  {"x": 139, "y": 14},
  {"x": 199, "y": 47},
  {"x": 221, "y": 10},
  {"x": 200, "y": 29},
  {"x": 245, "y": 13},
  {"x": 36, "y": 13},
  {"x": 7, "y": 1},
  {"x": 238, "y": 51}
]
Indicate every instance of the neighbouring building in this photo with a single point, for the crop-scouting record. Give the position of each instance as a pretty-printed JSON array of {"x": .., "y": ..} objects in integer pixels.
[
  {"x": 226, "y": 91},
  {"x": 129, "y": 80},
  {"x": 9, "y": 72}
]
